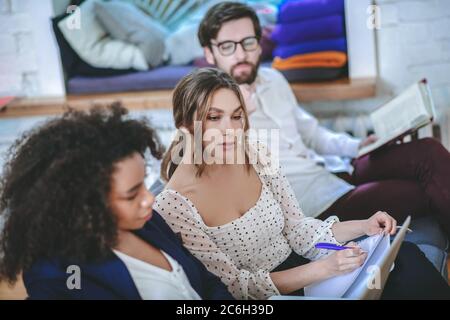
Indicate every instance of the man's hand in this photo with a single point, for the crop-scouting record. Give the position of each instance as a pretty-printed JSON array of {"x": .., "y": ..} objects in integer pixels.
[
  {"x": 369, "y": 140},
  {"x": 248, "y": 92}
]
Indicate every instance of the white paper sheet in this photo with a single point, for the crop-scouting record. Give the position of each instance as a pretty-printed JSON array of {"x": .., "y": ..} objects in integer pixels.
[{"x": 336, "y": 287}]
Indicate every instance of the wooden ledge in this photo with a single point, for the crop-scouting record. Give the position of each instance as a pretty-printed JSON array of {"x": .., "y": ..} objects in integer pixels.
[
  {"x": 338, "y": 90},
  {"x": 25, "y": 107},
  {"x": 343, "y": 89}
]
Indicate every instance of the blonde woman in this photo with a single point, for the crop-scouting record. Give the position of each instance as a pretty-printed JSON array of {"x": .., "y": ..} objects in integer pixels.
[{"x": 242, "y": 220}]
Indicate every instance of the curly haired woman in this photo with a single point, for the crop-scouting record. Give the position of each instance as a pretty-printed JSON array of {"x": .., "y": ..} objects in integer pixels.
[{"x": 75, "y": 204}]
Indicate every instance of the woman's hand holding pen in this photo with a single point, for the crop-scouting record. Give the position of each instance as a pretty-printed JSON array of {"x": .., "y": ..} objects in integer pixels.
[
  {"x": 344, "y": 261},
  {"x": 351, "y": 257}
]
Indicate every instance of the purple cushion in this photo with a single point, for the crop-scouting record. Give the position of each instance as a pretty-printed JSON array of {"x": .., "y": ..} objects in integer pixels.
[
  {"x": 314, "y": 74},
  {"x": 266, "y": 43},
  {"x": 339, "y": 44},
  {"x": 310, "y": 30},
  {"x": 300, "y": 10},
  {"x": 160, "y": 78},
  {"x": 201, "y": 63}
]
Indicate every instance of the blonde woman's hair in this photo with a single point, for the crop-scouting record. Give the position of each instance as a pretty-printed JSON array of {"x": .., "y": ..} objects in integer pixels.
[{"x": 192, "y": 99}]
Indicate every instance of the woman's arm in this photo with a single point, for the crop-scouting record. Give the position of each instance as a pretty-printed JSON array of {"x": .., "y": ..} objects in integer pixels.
[
  {"x": 348, "y": 230},
  {"x": 380, "y": 222},
  {"x": 293, "y": 279},
  {"x": 340, "y": 262},
  {"x": 301, "y": 232}
]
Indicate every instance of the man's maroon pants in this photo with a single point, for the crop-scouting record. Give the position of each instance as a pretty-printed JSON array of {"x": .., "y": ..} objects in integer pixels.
[{"x": 404, "y": 179}]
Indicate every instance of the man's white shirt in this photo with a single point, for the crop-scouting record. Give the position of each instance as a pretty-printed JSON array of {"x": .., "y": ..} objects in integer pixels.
[{"x": 307, "y": 152}]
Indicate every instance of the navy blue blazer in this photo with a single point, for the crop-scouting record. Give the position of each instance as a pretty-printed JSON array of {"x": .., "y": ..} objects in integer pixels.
[{"x": 110, "y": 279}]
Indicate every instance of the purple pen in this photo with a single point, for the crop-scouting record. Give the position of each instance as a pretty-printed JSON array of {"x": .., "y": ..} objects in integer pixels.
[{"x": 331, "y": 246}]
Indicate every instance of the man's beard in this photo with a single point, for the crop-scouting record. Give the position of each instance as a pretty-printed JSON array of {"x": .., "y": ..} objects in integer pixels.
[{"x": 246, "y": 78}]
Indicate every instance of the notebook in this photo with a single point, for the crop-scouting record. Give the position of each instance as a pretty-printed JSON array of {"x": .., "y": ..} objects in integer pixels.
[
  {"x": 336, "y": 287},
  {"x": 365, "y": 283}
]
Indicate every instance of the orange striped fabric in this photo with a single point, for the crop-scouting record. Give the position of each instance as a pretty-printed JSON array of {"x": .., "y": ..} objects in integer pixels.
[{"x": 325, "y": 59}]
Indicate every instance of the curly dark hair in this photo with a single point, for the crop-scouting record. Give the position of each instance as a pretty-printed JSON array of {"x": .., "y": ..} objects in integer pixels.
[
  {"x": 56, "y": 184},
  {"x": 223, "y": 12}
]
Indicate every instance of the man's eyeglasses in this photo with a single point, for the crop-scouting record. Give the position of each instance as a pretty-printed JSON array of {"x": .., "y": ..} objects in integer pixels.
[{"x": 227, "y": 48}]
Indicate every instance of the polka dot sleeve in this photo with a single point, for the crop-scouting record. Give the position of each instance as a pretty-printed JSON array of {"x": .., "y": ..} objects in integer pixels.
[
  {"x": 301, "y": 232},
  {"x": 183, "y": 218}
]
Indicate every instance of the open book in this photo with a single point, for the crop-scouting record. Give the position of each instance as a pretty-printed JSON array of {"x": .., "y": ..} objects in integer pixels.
[
  {"x": 405, "y": 114},
  {"x": 337, "y": 287}
]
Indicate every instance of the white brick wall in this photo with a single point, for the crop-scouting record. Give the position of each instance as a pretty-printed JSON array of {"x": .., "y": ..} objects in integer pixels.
[
  {"x": 26, "y": 42},
  {"x": 15, "y": 60},
  {"x": 413, "y": 42}
]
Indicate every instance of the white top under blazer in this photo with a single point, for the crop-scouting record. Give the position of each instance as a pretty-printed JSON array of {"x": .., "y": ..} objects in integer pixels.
[{"x": 155, "y": 283}]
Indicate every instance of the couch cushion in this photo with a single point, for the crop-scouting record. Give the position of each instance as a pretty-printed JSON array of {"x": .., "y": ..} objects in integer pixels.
[
  {"x": 432, "y": 241},
  {"x": 313, "y": 74},
  {"x": 72, "y": 63},
  {"x": 183, "y": 46},
  {"x": 286, "y": 51},
  {"x": 437, "y": 257},
  {"x": 92, "y": 43},
  {"x": 124, "y": 21},
  {"x": 160, "y": 78},
  {"x": 165, "y": 77},
  {"x": 309, "y": 30},
  {"x": 291, "y": 11},
  {"x": 427, "y": 231}
]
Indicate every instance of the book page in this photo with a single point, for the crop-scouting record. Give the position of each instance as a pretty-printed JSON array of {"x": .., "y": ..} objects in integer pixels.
[
  {"x": 337, "y": 286},
  {"x": 428, "y": 100},
  {"x": 398, "y": 115},
  {"x": 405, "y": 112}
]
